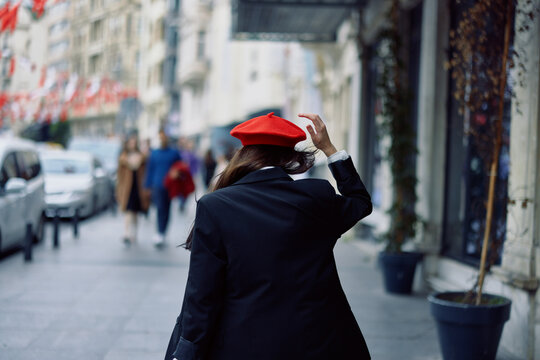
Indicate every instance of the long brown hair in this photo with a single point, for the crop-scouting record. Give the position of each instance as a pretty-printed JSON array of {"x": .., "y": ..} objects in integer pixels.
[
  {"x": 125, "y": 143},
  {"x": 254, "y": 157}
]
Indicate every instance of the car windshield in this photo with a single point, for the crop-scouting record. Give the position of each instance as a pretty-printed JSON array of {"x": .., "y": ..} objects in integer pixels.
[{"x": 65, "y": 166}]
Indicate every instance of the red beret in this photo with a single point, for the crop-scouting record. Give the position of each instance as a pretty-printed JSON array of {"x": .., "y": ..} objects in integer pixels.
[{"x": 268, "y": 130}]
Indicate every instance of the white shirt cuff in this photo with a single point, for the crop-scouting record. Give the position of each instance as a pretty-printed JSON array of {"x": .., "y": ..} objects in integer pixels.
[{"x": 340, "y": 155}]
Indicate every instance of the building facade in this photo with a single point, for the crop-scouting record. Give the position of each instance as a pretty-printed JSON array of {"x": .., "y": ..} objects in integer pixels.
[
  {"x": 224, "y": 82},
  {"x": 57, "y": 18},
  {"x": 447, "y": 165},
  {"x": 153, "y": 55},
  {"x": 104, "y": 47},
  {"x": 27, "y": 46}
]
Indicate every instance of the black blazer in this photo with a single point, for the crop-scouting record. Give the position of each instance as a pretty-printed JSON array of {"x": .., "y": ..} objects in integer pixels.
[{"x": 262, "y": 281}]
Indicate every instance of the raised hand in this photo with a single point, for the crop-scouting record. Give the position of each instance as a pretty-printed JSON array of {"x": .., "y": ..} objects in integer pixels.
[{"x": 319, "y": 135}]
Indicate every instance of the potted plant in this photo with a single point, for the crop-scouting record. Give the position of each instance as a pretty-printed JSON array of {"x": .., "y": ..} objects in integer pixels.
[
  {"x": 470, "y": 323},
  {"x": 398, "y": 266}
]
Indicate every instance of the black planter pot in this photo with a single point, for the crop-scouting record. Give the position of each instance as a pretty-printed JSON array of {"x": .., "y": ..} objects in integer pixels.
[
  {"x": 398, "y": 270},
  {"x": 469, "y": 332}
]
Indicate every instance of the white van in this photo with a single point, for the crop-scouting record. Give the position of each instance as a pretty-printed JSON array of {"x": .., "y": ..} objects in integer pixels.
[{"x": 22, "y": 192}]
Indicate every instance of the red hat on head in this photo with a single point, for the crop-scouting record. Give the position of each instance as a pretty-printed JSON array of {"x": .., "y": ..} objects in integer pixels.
[{"x": 268, "y": 130}]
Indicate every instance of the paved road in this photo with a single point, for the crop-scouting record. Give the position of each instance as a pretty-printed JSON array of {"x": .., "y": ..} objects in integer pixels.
[{"x": 95, "y": 299}]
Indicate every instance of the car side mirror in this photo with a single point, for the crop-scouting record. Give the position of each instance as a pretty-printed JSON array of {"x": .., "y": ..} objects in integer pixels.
[{"x": 15, "y": 186}]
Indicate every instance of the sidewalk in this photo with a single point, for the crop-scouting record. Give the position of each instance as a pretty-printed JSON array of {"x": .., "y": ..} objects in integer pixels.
[
  {"x": 395, "y": 326},
  {"x": 95, "y": 299}
]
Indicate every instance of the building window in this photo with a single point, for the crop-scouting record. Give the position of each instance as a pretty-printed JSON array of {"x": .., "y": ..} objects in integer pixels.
[
  {"x": 467, "y": 166},
  {"x": 159, "y": 29},
  {"x": 61, "y": 65},
  {"x": 376, "y": 172},
  {"x": 59, "y": 8},
  {"x": 174, "y": 6},
  {"x": 95, "y": 64},
  {"x": 170, "y": 71},
  {"x": 172, "y": 36},
  {"x": 160, "y": 71},
  {"x": 96, "y": 31},
  {"x": 77, "y": 65},
  {"x": 116, "y": 62},
  {"x": 58, "y": 28},
  {"x": 128, "y": 28},
  {"x": 58, "y": 48},
  {"x": 201, "y": 39},
  {"x": 79, "y": 6},
  {"x": 79, "y": 39},
  {"x": 140, "y": 26},
  {"x": 115, "y": 25}
]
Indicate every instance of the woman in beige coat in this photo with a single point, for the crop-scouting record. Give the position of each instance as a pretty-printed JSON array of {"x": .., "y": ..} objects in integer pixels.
[{"x": 130, "y": 194}]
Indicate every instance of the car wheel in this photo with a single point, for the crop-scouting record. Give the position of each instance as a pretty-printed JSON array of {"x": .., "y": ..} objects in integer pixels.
[{"x": 40, "y": 231}]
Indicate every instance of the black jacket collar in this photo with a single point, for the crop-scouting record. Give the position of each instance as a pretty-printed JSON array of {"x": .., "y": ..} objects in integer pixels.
[{"x": 264, "y": 175}]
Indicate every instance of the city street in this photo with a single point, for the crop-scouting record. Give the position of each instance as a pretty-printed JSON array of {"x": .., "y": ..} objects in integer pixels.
[
  {"x": 434, "y": 101},
  {"x": 94, "y": 298}
]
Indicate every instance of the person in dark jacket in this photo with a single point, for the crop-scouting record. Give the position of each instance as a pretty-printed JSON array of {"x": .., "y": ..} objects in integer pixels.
[
  {"x": 209, "y": 168},
  {"x": 158, "y": 167},
  {"x": 262, "y": 282}
]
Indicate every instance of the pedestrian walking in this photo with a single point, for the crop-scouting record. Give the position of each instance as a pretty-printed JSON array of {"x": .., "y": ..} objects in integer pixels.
[
  {"x": 190, "y": 158},
  {"x": 178, "y": 181},
  {"x": 262, "y": 280},
  {"x": 160, "y": 162},
  {"x": 209, "y": 167},
  {"x": 146, "y": 147},
  {"x": 130, "y": 194}
]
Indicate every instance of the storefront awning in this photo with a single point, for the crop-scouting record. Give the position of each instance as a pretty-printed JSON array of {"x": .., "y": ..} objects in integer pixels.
[{"x": 290, "y": 20}]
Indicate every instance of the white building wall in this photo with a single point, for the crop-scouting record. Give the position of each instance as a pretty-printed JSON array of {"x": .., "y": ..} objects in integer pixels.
[
  {"x": 152, "y": 52},
  {"x": 432, "y": 124},
  {"x": 339, "y": 76},
  {"x": 28, "y": 43},
  {"x": 236, "y": 78}
]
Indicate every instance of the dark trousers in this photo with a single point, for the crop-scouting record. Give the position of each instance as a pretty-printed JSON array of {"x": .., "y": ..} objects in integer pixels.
[{"x": 163, "y": 204}]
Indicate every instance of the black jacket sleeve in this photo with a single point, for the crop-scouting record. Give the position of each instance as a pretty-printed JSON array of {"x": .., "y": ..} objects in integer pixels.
[
  {"x": 354, "y": 203},
  {"x": 204, "y": 290}
]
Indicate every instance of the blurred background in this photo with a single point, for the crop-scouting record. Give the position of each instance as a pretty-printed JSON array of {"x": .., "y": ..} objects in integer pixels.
[{"x": 85, "y": 75}]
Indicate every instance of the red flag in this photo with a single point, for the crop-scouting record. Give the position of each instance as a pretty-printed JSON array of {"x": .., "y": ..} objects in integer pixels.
[
  {"x": 39, "y": 7},
  {"x": 11, "y": 66},
  {"x": 3, "y": 99},
  {"x": 43, "y": 76},
  {"x": 4, "y": 10},
  {"x": 9, "y": 20},
  {"x": 4, "y": 17},
  {"x": 14, "y": 12}
]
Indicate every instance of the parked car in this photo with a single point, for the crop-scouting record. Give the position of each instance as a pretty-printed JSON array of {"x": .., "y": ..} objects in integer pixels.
[
  {"x": 106, "y": 150},
  {"x": 74, "y": 180},
  {"x": 22, "y": 192}
]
